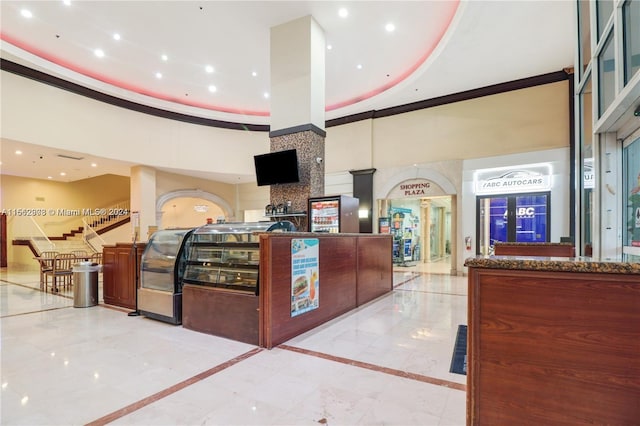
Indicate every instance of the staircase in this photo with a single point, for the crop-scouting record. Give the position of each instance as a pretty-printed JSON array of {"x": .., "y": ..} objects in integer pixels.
[{"x": 83, "y": 238}]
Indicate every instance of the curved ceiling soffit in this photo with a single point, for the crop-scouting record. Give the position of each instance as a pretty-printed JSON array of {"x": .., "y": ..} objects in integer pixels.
[
  {"x": 429, "y": 55},
  {"x": 419, "y": 66}
]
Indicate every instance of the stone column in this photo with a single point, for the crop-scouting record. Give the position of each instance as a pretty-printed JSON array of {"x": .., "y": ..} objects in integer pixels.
[{"x": 297, "y": 107}]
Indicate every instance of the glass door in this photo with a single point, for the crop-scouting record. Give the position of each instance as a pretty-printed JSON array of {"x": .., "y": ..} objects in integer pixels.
[
  {"x": 532, "y": 217},
  {"x": 512, "y": 218},
  {"x": 631, "y": 212}
]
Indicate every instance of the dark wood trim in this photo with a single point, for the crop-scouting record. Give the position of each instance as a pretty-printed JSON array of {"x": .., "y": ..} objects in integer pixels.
[
  {"x": 298, "y": 129},
  {"x": 60, "y": 83},
  {"x": 45, "y": 78},
  {"x": 27, "y": 243},
  {"x": 495, "y": 89}
]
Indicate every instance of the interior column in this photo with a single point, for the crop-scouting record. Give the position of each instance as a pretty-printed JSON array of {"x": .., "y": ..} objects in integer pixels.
[
  {"x": 143, "y": 202},
  {"x": 297, "y": 107}
]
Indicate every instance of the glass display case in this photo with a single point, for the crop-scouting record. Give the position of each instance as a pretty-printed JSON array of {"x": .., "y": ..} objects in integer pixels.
[
  {"x": 161, "y": 274},
  {"x": 227, "y": 255}
]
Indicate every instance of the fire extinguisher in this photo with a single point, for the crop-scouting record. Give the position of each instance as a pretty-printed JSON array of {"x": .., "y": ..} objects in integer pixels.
[{"x": 467, "y": 242}]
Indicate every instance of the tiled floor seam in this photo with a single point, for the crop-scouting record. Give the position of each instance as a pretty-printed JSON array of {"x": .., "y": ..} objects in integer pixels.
[
  {"x": 171, "y": 390},
  {"x": 377, "y": 368},
  {"x": 35, "y": 312}
]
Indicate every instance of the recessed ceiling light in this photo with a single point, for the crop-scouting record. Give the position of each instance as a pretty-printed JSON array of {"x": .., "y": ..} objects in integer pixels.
[
  {"x": 329, "y": 47},
  {"x": 209, "y": 69},
  {"x": 99, "y": 53},
  {"x": 254, "y": 74},
  {"x": 63, "y": 174},
  {"x": 158, "y": 75},
  {"x": 390, "y": 27},
  {"x": 94, "y": 165},
  {"x": 266, "y": 95},
  {"x": 18, "y": 152},
  {"x": 213, "y": 89},
  {"x": 116, "y": 36},
  {"x": 359, "y": 66},
  {"x": 164, "y": 58},
  {"x": 66, "y": 2},
  {"x": 343, "y": 12},
  {"x": 49, "y": 177},
  {"x": 26, "y": 13}
]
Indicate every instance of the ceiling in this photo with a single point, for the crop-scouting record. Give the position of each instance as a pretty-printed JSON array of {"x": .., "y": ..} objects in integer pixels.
[{"x": 437, "y": 48}]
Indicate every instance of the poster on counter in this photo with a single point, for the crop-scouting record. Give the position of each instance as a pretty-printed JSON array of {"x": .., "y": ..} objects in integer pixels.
[{"x": 305, "y": 279}]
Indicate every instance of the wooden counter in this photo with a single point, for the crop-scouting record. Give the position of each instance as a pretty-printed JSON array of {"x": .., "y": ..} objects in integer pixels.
[
  {"x": 353, "y": 269},
  {"x": 553, "y": 341}
]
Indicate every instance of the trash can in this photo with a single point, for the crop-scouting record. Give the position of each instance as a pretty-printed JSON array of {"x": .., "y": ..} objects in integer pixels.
[{"x": 85, "y": 284}]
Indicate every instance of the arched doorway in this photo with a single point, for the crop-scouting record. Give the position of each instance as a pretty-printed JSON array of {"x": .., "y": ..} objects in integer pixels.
[
  {"x": 419, "y": 209},
  {"x": 190, "y": 208}
]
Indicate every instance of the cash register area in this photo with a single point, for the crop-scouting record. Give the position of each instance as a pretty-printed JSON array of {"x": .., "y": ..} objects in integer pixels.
[{"x": 385, "y": 363}]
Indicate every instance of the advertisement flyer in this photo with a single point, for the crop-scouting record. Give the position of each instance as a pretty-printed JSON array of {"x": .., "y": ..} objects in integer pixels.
[{"x": 305, "y": 280}]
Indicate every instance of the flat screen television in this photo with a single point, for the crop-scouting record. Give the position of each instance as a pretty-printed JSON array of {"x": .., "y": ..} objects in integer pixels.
[{"x": 277, "y": 167}]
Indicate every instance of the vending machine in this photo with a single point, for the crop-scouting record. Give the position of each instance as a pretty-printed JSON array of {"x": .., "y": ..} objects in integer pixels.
[{"x": 338, "y": 213}]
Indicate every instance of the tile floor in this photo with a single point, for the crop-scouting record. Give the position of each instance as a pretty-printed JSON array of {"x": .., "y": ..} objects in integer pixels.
[{"x": 386, "y": 363}]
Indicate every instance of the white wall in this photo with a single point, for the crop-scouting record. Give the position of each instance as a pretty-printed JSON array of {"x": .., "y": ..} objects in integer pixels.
[{"x": 559, "y": 160}]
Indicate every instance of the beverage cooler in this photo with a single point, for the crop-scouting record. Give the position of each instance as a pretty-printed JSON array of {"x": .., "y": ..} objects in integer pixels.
[
  {"x": 334, "y": 214},
  {"x": 161, "y": 274}
]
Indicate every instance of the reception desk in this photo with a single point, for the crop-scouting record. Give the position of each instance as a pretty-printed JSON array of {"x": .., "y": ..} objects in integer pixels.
[
  {"x": 553, "y": 341},
  {"x": 534, "y": 249}
]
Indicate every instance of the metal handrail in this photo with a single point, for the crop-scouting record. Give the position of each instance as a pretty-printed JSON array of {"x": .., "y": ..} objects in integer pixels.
[
  {"x": 89, "y": 236},
  {"x": 105, "y": 216},
  {"x": 39, "y": 236}
]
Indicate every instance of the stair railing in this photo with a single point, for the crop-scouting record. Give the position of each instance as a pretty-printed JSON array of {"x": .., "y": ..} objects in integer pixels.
[
  {"x": 105, "y": 216},
  {"x": 91, "y": 237},
  {"x": 36, "y": 235}
]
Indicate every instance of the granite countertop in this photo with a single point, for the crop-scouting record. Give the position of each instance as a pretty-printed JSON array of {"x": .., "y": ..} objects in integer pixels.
[
  {"x": 554, "y": 264},
  {"x": 505, "y": 243}
]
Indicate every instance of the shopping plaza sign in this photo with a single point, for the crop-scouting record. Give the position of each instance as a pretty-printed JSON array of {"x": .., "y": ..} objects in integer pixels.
[
  {"x": 534, "y": 178},
  {"x": 416, "y": 188}
]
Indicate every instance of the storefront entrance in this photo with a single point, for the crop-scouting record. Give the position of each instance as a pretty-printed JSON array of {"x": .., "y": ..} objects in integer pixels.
[
  {"x": 512, "y": 218},
  {"x": 421, "y": 228}
]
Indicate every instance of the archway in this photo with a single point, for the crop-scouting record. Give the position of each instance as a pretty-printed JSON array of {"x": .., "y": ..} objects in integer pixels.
[{"x": 185, "y": 200}]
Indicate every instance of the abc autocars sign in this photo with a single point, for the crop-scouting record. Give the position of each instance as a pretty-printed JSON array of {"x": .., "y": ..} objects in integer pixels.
[{"x": 520, "y": 180}]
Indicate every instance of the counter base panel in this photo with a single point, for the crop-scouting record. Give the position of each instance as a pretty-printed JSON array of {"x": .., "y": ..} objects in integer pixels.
[
  {"x": 220, "y": 312},
  {"x": 553, "y": 348}
]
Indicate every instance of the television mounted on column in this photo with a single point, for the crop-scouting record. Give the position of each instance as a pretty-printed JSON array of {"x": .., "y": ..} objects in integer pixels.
[{"x": 277, "y": 167}]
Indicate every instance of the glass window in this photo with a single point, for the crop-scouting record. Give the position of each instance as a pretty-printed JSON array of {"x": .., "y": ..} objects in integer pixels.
[
  {"x": 586, "y": 170},
  {"x": 604, "y": 8},
  {"x": 631, "y": 184},
  {"x": 606, "y": 76},
  {"x": 631, "y": 18},
  {"x": 585, "y": 34}
]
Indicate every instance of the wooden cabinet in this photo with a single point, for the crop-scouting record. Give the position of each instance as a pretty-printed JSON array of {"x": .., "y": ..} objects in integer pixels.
[
  {"x": 553, "y": 342},
  {"x": 120, "y": 278}
]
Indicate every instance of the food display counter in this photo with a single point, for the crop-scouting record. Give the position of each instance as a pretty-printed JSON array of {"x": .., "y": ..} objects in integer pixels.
[
  {"x": 246, "y": 282},
  {"x": 161, "y": 273},
  {"x": 221, "y": 279}
]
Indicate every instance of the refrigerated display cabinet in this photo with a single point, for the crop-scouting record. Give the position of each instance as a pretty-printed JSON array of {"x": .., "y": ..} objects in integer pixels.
[
  {"x": 334, "y": 214},
  {"x": 161, "y": 274},
  {"x": 227, "y": 255}
]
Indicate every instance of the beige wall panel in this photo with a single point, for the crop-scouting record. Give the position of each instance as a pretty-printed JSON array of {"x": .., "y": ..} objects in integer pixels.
[
  {"x": 348, "y": 147},
  {"x": 524, "y": 120}
]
